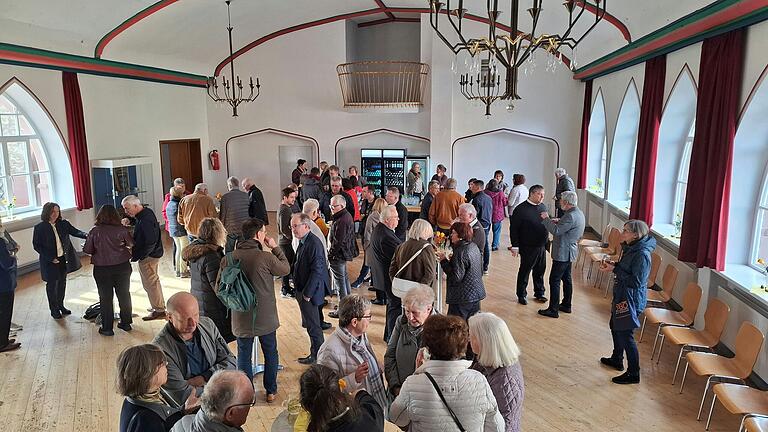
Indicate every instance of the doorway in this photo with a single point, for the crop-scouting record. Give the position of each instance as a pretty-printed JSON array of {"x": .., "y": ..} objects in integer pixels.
[
  {"x": 288, "y": 156},
  {"x": 181, "y": 158}
]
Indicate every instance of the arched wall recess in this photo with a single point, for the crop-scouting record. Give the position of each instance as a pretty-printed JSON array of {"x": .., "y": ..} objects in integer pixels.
[
  {"x": 512, "y": 151},
  {"x": 622, "y": 153},
  {"x": 597, "y": 154},
  {"x": 51, "y": 136},
  {"x": 347, "y": 148}
]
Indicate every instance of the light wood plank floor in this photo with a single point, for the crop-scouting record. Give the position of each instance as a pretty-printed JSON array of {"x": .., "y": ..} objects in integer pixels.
[{"x": 62, "y": 378}]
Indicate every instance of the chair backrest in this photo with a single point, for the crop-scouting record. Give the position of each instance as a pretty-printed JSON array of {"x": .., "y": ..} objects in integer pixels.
[
  {"x": 655, "y": 265},
  {"x": 669, "y": 279},
  {"x": 715, "y": 318},
  {"x": 614, "y": 241},
  {"x": 749, "y": 342},
  {"x": 606, "y": 233},
  {"x": 691, "y": 300}
]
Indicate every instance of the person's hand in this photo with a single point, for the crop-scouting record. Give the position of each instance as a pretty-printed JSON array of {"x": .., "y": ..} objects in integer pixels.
[
  {"x": 440, "y": 254},
  {"x": 55, "y": 261},
  {"x": 197, "y": 381},
  {"x": 514, "y": 253},
  {"x": 270, "y": 242},
  {"x": 544, "y": 215},
  {"x": 419, "y": 358},
  {"x": 125, "y": 221},
  {"x": 607, "y": 266},
  {"x": 193, "y": 402},
  {"x": 306, "y": 299},
  {"x": 361, "y": 372}
]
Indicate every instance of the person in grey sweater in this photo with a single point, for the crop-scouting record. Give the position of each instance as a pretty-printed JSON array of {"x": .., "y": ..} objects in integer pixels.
[
  {"x": 497, "y": 358},
  {"x": 566, "y": 232},
  {"x": 233, "y": 209},
  {"x": 564, "y": 183},
  {"x": 224, "y": 405}
]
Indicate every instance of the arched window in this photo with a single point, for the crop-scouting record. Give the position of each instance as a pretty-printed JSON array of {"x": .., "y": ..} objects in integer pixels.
[
  {"x": 682, "y": 178},
  {"x": 760, "y": 250},
  {"x": 34, "y": 163},
  {"x": 598, "y": 149},
  {"x": 25, "y": 175},
  {"x": 623, "y": 151}
]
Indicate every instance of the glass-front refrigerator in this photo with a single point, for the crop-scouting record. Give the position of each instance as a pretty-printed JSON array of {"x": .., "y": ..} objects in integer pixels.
[
  {"x": 394, "y": 169},
  {"x": 372, "y": 170}
]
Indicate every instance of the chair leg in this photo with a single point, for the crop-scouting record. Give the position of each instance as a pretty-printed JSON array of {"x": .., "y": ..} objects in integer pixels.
[
  {"x": 677, "y": 366},
  {"x": 608, "y": 286},
  {"x": 711, "y": 408},
  {"x": 704, "y": 397},
  {"x": 685, "y": 373},
  {"x": 661, "y": 347},
  {"x": 656, "y": 339},
  {"x": 642, "y": 329},
  {"x": 589, "y": 273}
]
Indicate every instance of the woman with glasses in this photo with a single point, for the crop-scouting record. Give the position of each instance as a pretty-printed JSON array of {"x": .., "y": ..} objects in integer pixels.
[
  {"x": 349, "y": 353},
  {"x": 141, "y": 371},
  {"x": 400, "y": 358}
]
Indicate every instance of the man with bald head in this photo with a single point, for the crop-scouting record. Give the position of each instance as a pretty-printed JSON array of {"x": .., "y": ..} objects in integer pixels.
[
  {"x": 224, "y": 405},
  {"x": 193, "y": 347},
  {"x": 257, "y": 207}
]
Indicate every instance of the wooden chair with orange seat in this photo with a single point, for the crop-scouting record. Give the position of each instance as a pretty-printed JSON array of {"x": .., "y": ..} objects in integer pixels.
[
  {"x": 668, "y": 281},
  {"x": 655, "y": 266},
  {"x": 754, "y": 423},
  {"x": 596, "y": 254},
  {"x": 739, "y": 399},
  {"x": 691, "y": 339},
  {"x": 668, "y": 317},
  {"x": 749, "y": 341},
  {"x": 585, "y": 243}
]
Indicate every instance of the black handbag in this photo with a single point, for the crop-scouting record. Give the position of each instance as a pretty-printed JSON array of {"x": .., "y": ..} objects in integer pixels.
[{"x": 442, "y": 398}]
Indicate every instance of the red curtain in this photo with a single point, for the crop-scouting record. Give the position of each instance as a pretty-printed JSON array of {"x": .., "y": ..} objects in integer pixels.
[
  {"x": 78, "y": 148},
  {"x": 705, "y": 222},
  {"x": 581, "y": 181},
  {"x": 651, "y": 110}
]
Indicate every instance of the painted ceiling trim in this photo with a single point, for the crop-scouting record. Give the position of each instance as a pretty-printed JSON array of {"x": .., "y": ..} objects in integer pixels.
[
  {"x": 716, "y": 18},
  {"x": 34, "y": 57},
  {"x": 107, "y": 38}
]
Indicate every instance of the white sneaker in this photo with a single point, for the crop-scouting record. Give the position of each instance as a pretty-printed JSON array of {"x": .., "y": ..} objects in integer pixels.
[{"x": 15, "y": 327}]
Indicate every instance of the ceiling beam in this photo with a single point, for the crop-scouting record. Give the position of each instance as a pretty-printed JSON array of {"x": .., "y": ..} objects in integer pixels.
[{"x": 125, "y": 25}]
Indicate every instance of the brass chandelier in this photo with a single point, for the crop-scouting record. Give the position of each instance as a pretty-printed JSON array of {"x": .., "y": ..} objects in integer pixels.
[
  {"x": 509, "y": 51},
  {"x": 233, "y": 88}
]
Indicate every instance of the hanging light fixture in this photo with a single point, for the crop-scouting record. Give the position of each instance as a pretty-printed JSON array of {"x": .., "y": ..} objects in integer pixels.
[
  {"x": 233, "y": 87},
  {"x": 482, "y": 80}
]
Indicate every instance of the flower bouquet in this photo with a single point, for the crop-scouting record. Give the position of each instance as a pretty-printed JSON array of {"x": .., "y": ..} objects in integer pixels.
[
  {"x": 443, "y": 244},
  {"x": 9, "y": 206},
  {"x": 764, "y": 266}
]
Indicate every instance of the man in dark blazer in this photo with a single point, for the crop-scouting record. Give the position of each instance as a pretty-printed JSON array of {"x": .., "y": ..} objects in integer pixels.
[
  {"x": 257, "y": 208},
  {"x": 7, "y": 288},
  {"x": 310, "y": 280},
  {"x": 384, "y": 242},
  {"x": 393, "y": 198},
  {"x": 50, "y": 239}
]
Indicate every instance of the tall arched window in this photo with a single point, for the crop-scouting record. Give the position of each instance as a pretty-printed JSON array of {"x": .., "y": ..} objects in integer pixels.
[
  {"x": 682, "y": 177},
  {"x": 597, "y": 153},
  {"x": 623, "y": 151},
  {"x": 760, "y": 249},
  {"x": 25, "y": 175}
]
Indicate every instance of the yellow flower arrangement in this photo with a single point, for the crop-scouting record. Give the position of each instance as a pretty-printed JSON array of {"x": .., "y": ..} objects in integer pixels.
[{"x": 439, "y": 238}]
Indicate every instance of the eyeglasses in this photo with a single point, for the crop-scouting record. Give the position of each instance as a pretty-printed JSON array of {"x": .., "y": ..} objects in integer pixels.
[
  {"x": 251, "y": 404},
  {"x": 368, "y": 317},
  {"x": 337, "y": 205},
  {"x": 297, "y": 225}
]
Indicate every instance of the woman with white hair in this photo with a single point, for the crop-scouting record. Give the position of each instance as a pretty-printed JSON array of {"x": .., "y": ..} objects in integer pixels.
[
  {"x": 404, "y": 344},
  {"x": 497, "y": 357}
]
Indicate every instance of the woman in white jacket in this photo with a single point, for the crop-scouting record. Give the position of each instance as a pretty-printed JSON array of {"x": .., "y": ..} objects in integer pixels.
[{"x": 465, "y": 392}]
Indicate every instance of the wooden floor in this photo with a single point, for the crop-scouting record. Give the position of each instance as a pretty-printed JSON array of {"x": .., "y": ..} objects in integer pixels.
[{"x": 62, "y": 379}]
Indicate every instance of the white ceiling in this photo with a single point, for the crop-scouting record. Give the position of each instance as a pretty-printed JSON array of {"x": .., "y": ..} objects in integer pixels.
[{"x": 190, "y": 35}]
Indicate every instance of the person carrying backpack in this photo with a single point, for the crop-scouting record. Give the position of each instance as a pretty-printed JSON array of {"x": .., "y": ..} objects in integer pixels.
[{"x": 260, "y": 259}]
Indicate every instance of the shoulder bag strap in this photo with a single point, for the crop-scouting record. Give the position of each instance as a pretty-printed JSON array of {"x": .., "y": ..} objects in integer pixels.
[
  {"x": 411, "y": 259},
  {"x": 442, "y": 398}
]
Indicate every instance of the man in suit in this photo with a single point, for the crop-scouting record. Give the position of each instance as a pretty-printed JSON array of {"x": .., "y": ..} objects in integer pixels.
[
  {"x": 393, "y": 198},
  {"x": 564, "y": 183},
  {"x": 566, "y": 232},
  {"x": 257, "y": 208},
  {"x": 384, "y": 242},
  {"x": 528, "y": 237},
  {"x": 310, "y": 279}
]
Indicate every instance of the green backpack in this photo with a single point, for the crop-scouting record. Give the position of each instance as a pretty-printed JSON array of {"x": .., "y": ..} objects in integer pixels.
[{"x": 235, "y": 289}]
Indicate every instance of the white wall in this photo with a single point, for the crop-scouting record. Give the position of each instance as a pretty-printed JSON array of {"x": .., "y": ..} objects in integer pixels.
[
  {"x": 397, "y": 41},
  {"x": 348, "y": 150}
]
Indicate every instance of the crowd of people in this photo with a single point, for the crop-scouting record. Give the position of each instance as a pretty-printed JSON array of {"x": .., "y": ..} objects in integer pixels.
[{"x": 459, "y": 371}]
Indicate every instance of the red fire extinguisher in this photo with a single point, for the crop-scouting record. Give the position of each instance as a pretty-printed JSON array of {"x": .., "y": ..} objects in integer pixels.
[{"x": 213, "y": 159}]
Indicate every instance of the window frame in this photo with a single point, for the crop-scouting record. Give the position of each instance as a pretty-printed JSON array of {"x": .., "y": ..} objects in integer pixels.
[
  {"x": 761, "y": 211},
  {"x": 683, "y": 167}
]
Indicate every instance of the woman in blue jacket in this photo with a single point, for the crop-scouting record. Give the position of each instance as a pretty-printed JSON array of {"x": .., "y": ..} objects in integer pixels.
[
  {"x": 629, "y": 298},
  {"x": 50, "y": 239}
]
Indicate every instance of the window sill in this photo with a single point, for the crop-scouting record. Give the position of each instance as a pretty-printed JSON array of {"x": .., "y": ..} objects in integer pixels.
[
  {"x": 666, "y": 232},
  {"x": 597, "y": 194},
  {"x": 622, "y": 207},
  {"x": 28, "y": 219},
  {"x": 748, "y": 279}
]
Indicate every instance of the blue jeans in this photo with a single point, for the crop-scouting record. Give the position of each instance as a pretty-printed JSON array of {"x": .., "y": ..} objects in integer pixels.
[
  {"x": 340, "y": 278},
  {"x": 363, "y": 274},
  {"x": 487, "y": 249},
  {"x": 268, "y": 344},
  {"x": 496, "y": 234}
]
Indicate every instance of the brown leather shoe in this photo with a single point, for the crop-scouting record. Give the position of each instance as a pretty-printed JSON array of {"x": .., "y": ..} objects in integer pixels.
[
  {"x": 154, "y": 315},
  {"x": 270, "y": 398}
]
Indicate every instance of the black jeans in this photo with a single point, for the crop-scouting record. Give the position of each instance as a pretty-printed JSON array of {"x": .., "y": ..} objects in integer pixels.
[
  {"x": 464, "y": 310},
  {"x": 561, "y": 271},
  {"x": 487, "y": 249},
  {"x": 56, "y": 288},
  {"x": 624, "y": 342},
  {"x": 114, "y": 280},
  {"x": 532, "y": 258},
  {"x": 394, "y": 310},
  {"x": 6, "y": 312},
  {"x": 311, "y": 317},
  {"x": 291, "y": 256}
]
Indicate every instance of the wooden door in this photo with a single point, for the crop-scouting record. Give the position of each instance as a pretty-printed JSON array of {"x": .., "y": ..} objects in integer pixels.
[{"x": 181, "y": 158}]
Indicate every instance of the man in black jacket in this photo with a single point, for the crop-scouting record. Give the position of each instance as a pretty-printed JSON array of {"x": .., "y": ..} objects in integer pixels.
[
  {"x": 147, "y": 250},
  {"x": 343, "y": 247},
  {"x": 285, "y": 235},
  {"x": 384, "y": 242},
  {"x": 426, "y": 203},
  {"x": 257, "y": 208},
  {"x": 529, "y": 239},
  {"x": 393, "y": 198},
  {"x": 484, "y": 207},
  {"x": 325, "y": 202}
]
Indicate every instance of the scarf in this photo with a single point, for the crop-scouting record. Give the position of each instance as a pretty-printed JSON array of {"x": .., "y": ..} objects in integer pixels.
[{"x": 374, "y": 384}]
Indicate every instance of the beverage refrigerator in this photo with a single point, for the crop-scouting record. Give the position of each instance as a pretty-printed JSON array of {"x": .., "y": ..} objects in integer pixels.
[{"x": 384, "y": 168}]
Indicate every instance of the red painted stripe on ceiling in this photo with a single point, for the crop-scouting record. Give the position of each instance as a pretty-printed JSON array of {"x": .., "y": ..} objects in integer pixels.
[
  {"x": 383, "y": 7},
  {"x": 128, "y": 23},
  {"x": 736, "y": 11},
  {"x": 609, "y": 18},
  {"x": 375, "y": 22},
  {"x": 90, "y": 67}
]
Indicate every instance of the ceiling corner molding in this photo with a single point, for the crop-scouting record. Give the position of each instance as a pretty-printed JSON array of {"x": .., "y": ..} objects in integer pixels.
[
  {"x": 714, "y": 19},
  {"x": 39, "y": 58},
  {"x": 125, "y": 25}
]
